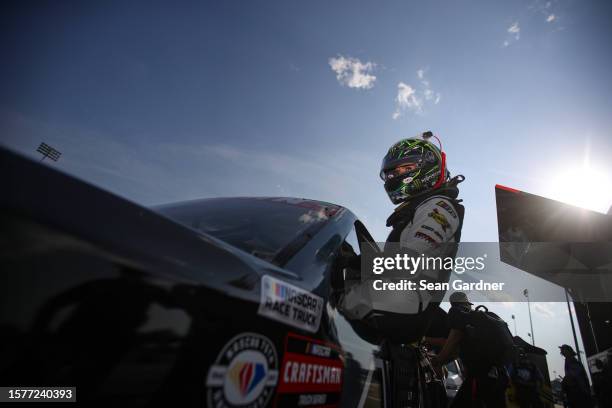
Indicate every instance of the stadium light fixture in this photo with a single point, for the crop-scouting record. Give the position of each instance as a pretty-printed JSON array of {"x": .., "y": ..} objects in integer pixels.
[{"x": 48, "y": 151}]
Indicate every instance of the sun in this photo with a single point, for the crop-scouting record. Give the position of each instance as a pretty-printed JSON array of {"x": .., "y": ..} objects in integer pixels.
[{"x": 583, "y": 186}]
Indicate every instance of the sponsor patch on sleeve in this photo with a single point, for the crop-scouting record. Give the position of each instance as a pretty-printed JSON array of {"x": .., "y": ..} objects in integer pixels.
[
  {"x": 290, "y": 304},
  {"x": 447, "y": 208},
  {"x": 439, "y": 218},
  {"x": 311, "y": 373},
  {"x": 436, "y": 233},
  {"x": 427, "y": 238}
]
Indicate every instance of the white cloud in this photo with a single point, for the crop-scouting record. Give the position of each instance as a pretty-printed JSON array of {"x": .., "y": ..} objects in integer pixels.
[
  {"x": 412, "y": 99},
  {"x": 407, "y": 99},
  {"x": 544, "y": 309},
  {"x": 514, "y": 33},
  {"x": 549, "y": 11},
  {"x": 352, "y": 72},
  {"x": 515, "y": 30}
]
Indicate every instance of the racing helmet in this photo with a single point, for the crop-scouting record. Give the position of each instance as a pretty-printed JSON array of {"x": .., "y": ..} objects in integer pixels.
[{"x": 412, "y": 167}]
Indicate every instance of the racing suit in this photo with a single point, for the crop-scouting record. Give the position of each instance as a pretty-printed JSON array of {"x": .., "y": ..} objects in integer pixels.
[{"x": 424, "y": 225}]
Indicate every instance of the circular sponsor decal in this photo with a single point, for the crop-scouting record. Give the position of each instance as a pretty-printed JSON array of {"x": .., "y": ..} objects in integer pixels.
[
  {"x": 429, "y": 156},
  {"x": 408, "y": 180},
  {"x": 244, "y": 374}
]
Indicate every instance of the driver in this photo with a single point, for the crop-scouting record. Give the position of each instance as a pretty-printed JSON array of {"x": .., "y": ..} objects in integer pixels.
[{"x": 428, "y": 216}]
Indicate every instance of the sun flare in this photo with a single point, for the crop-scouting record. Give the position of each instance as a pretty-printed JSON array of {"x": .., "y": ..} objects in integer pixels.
[{"x": 583, "y": 186}]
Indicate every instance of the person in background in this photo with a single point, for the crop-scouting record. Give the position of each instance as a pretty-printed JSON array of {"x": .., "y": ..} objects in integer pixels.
[
  {"x": 438, "y": 330},
  {"x": 575, "y": 383},
  {"x": 436, "y": 336},
  {"x": 486, "y": 382},
  {"x": 599, "y": 385},
  {"x": 527, "y": 380}
]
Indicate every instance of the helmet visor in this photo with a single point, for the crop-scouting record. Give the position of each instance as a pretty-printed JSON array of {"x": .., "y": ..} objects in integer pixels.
[{"x": 399, "y": 170}]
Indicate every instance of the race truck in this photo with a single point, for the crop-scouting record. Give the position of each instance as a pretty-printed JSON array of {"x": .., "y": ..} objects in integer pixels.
[{"x": 221, "y": 302}]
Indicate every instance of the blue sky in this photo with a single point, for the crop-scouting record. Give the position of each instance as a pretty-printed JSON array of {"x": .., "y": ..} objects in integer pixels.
[{"x": 160, "y": 102}]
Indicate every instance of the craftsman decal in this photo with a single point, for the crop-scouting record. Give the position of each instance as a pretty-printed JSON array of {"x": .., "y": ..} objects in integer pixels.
[{"x": 311, "y": 373}]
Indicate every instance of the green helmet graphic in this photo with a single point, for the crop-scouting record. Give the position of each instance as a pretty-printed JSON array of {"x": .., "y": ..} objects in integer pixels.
[{"x": 412, "y": 167}]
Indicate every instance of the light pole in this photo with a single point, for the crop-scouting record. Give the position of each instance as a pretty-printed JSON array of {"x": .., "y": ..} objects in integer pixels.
[
  {"x": 48, "y": 151},
  {"x": 526, "y": 293},
  {"x": 514, "y": 320}
]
